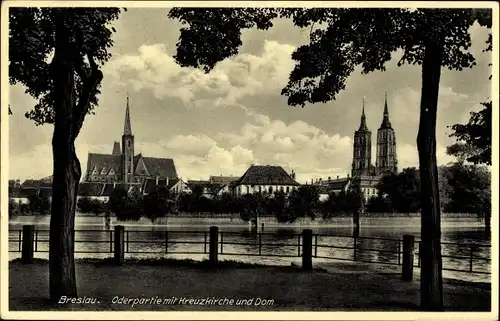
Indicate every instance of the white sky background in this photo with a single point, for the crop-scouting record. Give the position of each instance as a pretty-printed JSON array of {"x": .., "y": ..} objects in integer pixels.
[{"x": 220, "y": 123}]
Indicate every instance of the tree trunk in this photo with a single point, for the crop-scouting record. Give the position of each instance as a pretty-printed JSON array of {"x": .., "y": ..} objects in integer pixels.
[
  {"x": 66, "y": 171},
  {"x": 431, "y": 283}
]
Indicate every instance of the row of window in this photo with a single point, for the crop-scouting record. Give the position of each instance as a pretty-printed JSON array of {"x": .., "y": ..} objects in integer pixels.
[{"x": 262, "y": 189}]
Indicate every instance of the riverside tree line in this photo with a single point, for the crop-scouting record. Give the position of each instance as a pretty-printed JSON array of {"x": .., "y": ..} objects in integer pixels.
[{"x": 463, "y": 189}]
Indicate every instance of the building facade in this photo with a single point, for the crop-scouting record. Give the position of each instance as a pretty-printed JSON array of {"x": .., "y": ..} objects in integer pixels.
[{"x": 265, "y": 179}]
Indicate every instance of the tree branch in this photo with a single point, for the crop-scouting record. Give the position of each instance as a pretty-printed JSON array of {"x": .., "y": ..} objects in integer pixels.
[{"x": 89, "y": 87}]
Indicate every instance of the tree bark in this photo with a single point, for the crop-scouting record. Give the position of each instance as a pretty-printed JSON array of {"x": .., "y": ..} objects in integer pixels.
[
  {"x": 431, "y": 283},
  {"x": 66, "y": 171}
]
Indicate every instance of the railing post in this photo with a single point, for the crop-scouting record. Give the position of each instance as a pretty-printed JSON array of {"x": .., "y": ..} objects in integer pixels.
[
  {"x": 408, "y": 253},
  {"x": 214, "y": 245},
  {"x": 307, "y": 249},
  {"x": 471, "y": 257},
  {"x": 119, "y": 244},
  {"x": 355, "y": 246},
  {"x": 28, "y": 240}
]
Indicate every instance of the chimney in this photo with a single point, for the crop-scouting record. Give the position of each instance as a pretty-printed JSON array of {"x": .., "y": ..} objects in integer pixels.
[
  {"x": 347, "y": 175},
  {"x": 338, "y": 176},
  {"x": 329, "y": 178}
]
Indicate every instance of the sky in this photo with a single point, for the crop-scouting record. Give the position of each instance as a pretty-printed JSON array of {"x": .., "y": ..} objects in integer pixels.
[{"x": 222, "y": 122}]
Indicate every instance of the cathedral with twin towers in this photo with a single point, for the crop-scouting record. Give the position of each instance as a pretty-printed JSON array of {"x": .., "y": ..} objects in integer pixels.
[
  {"x": 386, "y": 158},
  {"x": 364, "y": 174}
]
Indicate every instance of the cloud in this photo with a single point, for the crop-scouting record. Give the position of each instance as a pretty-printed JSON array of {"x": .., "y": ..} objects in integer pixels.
[
  {"x": 408, "y": 156},
  {"x": 153, "y": 69}
]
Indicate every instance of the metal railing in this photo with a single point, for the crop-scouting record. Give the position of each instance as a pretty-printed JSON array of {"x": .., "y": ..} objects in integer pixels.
[{"x": 164, "y": 245}]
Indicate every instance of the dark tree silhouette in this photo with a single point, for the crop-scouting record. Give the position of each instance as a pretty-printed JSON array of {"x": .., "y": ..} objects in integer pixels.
[
  {"x": 66, "y": 89},
  {"x": 433, "y": 38}
]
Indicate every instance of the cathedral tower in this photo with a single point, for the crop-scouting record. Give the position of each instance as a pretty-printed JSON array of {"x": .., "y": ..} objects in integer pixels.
[
  {"x": 386, "y": 145},
  {"x": 362, "y": 157},
  {"x": 127, "y": 149}
]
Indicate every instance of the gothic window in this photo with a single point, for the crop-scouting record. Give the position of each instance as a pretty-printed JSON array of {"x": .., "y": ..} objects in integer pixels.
[
  {"x": 128, "y": 143},
  {"x": 103, "y": 171},
  {"x": 111, "y": 172},
  {"x": 95, "y": 172},
  {"x": 288, "y": 189},
  {"x": 248, "y": 189},
  {"x": 260, "y": 189}
]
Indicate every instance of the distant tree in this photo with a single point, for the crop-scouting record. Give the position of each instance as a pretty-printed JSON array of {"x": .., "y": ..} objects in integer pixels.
[
  {"x": 39, "y": 203},
  {"x": 402, "y": 189},
  {"x": 66, "y": 89},
  {"x": 156, "y": 204},
  {"x": 474, "y": 138},
  {"x": 84, "y": 204},
  {"x": 351, "y": 37},
  {"x": 126, "y": 206},
  {"x": 13, "y": 208},
  {"x": 303, "y": 202},
  {"x": 276, "y": 204},
  {"x": 470, "y": 189},
  {"x": 379, "y": 204}
]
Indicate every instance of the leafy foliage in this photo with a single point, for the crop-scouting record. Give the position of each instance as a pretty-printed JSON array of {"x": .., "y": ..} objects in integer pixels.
[
  {"x": 32, "y": 43},
  {"x": 39, "y": 203},
  {"x": 126, "y": 206},
  {"x": 350, "y": 37},
  {"x": 402, "y": 190},
  {"x": 88, "y": 205},
  {"x": 474, "y": 137},
  {"x": 157, "y": 204},
  {"x": 469, "y": 188}
]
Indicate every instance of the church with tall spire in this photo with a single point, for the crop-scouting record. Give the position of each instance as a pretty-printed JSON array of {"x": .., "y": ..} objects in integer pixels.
[
  {"x": 124, "y": 166},
  {"x": 364, "y": 174}
]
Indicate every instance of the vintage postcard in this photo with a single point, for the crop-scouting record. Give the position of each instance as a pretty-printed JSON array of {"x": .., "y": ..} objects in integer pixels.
[{"x": 249, "y": 160}]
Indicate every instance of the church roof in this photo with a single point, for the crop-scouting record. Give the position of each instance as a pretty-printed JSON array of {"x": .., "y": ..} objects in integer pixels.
[
  {"x": 339, "y": 184},
  {"x": 266, "y": 175},
  {"x": 104, "y": 161},
  {"x": 161, "y": 167}
]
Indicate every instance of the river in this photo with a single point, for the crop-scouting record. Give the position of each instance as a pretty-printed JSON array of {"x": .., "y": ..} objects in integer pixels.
[{"x": 457, "y": 240}]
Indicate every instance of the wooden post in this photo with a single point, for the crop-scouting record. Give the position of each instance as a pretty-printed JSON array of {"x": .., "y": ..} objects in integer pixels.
[
  {"x": 28, "y": 248},
  {"x": 408, "y": 253},
  {"x": 213, "y": 248},
  {"x": 119, "y": 244},
  {"x": 307, "y": 249}
]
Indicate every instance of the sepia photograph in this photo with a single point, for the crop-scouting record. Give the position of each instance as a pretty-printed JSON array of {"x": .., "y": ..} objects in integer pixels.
[{"x": 216, "y": 157}]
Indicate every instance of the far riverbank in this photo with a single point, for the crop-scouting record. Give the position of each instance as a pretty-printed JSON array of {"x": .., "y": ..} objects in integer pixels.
[{"x": 383, "y": 220}]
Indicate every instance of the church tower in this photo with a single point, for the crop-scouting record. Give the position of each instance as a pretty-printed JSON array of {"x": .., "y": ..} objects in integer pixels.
[
  {"x": 386, "y": 145},
  {"x": 127, "y": 148},
  {"x": 362, "y": 148}
]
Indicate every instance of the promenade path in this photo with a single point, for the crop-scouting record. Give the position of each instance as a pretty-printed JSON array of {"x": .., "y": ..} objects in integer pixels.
[{"x": 330, "y": 287}]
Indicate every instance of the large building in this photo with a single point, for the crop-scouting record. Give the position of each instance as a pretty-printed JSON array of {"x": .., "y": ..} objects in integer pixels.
[
  {"x": 364, "y": 174},
  {"x": 264, "y": 178},
  {"x": 124, "y": 166}
]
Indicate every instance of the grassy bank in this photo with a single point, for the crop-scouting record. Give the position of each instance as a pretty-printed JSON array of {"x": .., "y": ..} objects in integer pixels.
[{"x": 340, "y": 288}]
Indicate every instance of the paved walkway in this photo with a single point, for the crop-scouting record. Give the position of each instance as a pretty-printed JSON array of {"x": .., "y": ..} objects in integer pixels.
[{"x": 335, "y": 287}]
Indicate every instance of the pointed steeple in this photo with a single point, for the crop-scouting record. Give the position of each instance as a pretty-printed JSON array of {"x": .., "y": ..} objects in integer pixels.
[
  {"x": 362, "y": 126},
  {"x": 127, "y": 129},
  {"x": 116, "y": 149},
  {"x": 385, "y": 121}
]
